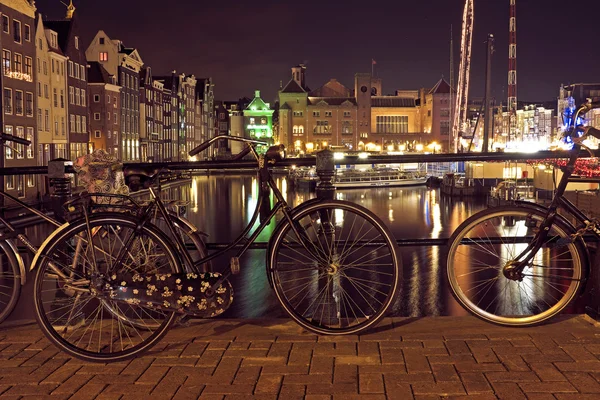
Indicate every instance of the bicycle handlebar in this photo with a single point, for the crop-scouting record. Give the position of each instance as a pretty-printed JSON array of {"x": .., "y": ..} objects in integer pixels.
[
  {"x": 588, "y": 130},
  {"x": 206, "y": 145},
  {"x": 242, "y": 153},
  {"x": 12, "y": 138}
]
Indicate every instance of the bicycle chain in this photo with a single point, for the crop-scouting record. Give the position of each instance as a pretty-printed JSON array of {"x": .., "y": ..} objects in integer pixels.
[{"x": 593, "y": 225}]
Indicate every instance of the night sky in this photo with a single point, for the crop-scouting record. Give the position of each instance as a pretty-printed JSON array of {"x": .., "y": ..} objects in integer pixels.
[{"x": 246, "y": 45}]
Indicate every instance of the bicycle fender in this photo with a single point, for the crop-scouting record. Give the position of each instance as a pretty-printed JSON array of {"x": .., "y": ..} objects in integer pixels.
[
  {"x": 45, "y": 243},
  {"x": 280, "y": 226},
  {"x": 14, "y": 258},
  {"x": 189, "y": 225}
]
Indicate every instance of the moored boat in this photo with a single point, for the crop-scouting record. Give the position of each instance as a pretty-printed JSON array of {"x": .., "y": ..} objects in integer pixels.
[{"x": 383, "y": 177}]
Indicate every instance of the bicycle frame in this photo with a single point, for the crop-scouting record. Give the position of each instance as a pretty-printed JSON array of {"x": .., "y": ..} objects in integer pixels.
[
  {"x": 266, "y": 185},
  {"x": 558, "y": 201}
]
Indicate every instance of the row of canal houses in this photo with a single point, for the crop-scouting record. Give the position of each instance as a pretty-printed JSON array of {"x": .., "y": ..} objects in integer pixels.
[{"x": 69, "y": 98}]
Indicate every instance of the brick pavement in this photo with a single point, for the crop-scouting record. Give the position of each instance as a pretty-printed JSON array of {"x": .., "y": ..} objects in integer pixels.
[{"x": 403, "y": 358}]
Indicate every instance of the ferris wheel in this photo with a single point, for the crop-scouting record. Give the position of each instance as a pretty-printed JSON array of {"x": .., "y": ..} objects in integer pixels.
[{"x": 460, "y": 125}]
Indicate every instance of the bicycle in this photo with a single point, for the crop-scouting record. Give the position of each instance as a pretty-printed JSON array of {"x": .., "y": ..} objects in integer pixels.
[
  {"x": 13, "y": 272},
  {"x": 521, "y": 264},
  {"x": 333, "y": 265}
]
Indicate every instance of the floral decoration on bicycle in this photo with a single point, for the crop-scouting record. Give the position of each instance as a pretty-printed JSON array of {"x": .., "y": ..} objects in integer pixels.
[{"x": 187, "y": 293}]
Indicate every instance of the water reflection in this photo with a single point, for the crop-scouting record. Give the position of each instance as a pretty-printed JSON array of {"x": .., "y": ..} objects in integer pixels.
[
  {"x": 225, "y": 205},
  {"x": 222, "y": 205}
]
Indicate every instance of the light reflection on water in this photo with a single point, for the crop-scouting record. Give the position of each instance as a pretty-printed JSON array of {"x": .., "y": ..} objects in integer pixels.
[
  {"x": 225, "y": 204},
  {"x": 222, "y": 205}
]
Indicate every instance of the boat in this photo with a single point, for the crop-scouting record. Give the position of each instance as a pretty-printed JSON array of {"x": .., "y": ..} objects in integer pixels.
[
  {"x": 304, "y": 178},
  {"x": 379, "y": 177}
]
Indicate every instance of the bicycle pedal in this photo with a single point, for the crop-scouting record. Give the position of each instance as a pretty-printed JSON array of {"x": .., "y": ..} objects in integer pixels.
[{"x": 234, "y": 265}]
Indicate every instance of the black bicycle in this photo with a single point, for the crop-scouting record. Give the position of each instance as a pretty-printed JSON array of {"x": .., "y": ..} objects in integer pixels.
[
  {"x": 334, "y": 267},
  {"x": 13, "y": 271},
  {"x": 523, "y": 263}
]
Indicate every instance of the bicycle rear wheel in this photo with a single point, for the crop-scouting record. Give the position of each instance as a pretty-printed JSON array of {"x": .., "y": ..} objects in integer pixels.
[
  {"x": 336, "y": 268},
  {"x": 488, "y": 241},
  {"x": 10, "y": 282},
  {"x": 71, "y": 307}
]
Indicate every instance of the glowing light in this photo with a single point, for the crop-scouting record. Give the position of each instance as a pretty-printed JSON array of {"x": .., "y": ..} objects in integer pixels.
[
  {"x": 19, "y": 75},
  {"x": 363, "y": 155},
  {"x": 252, "y": 126},
  {"x": 338, "y": 156},
  {"x": 460, "y": 117},
  {"x": 419, "y": 147}
]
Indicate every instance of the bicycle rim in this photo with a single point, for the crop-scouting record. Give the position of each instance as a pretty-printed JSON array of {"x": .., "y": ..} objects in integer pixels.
[
  {"x": 490, "y": 240},
  {"x": 10, "y": 283},
  {"x": 89, "y": 326},
  {"x": 339, "y": 272}
]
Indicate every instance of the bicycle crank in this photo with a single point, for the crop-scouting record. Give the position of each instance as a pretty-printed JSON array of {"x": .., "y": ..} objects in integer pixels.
[{"x": 187, "y": 293}]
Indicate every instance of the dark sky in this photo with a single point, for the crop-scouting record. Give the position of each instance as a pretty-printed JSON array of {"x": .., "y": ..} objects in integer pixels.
[{"x": 248, "y": 45}]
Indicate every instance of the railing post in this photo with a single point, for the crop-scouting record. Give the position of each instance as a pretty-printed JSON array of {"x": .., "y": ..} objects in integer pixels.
[
  {"x": 326, "y": 171},
  {"x": 60, "y": 184}
]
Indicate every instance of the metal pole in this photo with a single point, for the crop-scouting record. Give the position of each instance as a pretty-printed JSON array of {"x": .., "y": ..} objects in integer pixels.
[
  {"x": 487, "y": 124},
  {"x": 60, "y": 181},
  {"x": 325, "y": 169}
]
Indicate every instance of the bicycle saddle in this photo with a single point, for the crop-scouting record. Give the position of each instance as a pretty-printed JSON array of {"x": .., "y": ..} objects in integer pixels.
[
  {"x": 138, "y": 177},
  {"x": 275, "y": 153},
  {"x": 147, "y": 172}
]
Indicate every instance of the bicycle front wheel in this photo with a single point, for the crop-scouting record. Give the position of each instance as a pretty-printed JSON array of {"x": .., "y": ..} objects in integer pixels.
[
  {"x": 70, "y": 305},
  {"x": 486, "y": 245},
  {"x": 336, "y": 268},
  {"x": 10, "y": 281}
]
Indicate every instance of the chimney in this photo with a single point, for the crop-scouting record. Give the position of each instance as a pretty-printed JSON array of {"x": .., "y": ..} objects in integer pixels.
[{"x": 257, "y": 93}]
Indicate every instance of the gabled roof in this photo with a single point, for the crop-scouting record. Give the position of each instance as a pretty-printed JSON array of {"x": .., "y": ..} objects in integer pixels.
[
  {"x": 62, "y": 29},
  {"x": 284, "y": 106},
  {"x": 293, "y": 87},
  {"x": 441, "y": 87},
  {"x": 97, "y": 73},
  {"x": 257, "y": 104},
  {"x": 333, "y": 88},
  {"x": 392, "y": 101}
]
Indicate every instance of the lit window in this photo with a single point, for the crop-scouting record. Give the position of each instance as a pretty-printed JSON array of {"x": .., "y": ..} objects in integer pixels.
[{"x": 103, "y": 56}]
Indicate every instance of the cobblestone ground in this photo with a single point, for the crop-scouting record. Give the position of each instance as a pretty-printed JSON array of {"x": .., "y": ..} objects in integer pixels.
[{"x": 425, "y": 358}]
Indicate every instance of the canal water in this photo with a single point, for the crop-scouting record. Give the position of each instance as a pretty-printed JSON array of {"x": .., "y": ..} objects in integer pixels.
[{"x": 222, "y": 205}]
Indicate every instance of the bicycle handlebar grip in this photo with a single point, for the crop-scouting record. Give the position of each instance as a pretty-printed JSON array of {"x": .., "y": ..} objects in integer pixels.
[
  {"x": 199, "y": 148},
  {"x": 16, "y": 139}
]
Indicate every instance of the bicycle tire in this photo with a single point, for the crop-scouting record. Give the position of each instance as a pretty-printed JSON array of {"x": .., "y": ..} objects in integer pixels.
[
  {"x": 332, "y": 295},
  {"x": 10, "y": 281},
  {"x": 489, "y": 240},
  {"x": 73, "y": 252}
]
